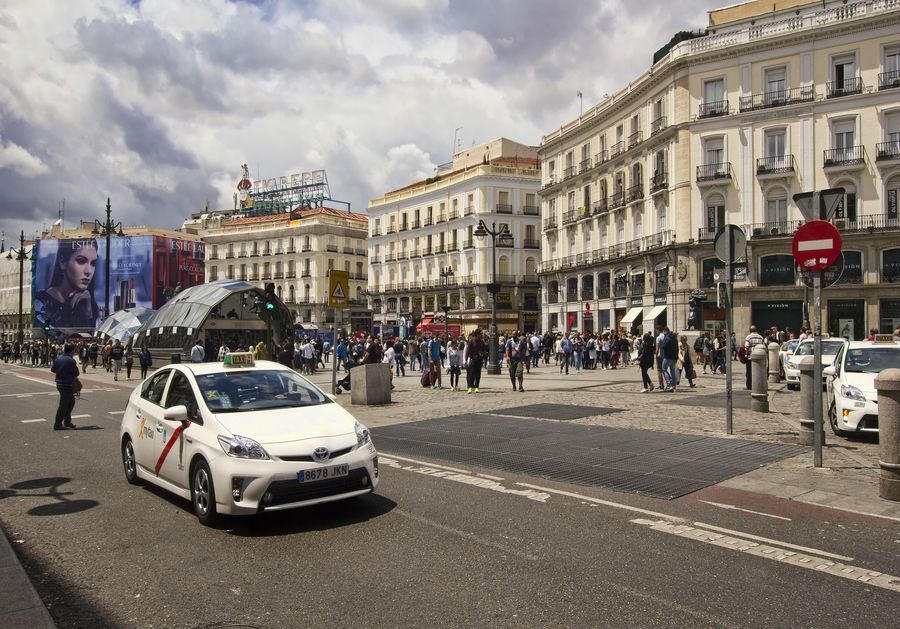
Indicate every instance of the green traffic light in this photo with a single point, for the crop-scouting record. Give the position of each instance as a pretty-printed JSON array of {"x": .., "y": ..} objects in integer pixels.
[{"x": 270, "y": 306}]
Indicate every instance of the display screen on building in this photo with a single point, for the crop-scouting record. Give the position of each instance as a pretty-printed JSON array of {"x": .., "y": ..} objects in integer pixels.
[{"x": 69, "y": 289}]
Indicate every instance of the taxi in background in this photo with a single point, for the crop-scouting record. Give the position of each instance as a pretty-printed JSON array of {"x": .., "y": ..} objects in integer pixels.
[
  {"x": 854, "y": 399},
  {"x": 241, "y": 437},
  {"x": 786, "y": 351},
  {"x": 806, "y": 347}
]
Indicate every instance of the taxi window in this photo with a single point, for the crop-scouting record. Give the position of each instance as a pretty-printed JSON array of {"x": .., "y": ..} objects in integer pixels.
[
  {"x": 155, "y": 386},
  {"x": 872, "y": 359},
  {"x": 237, "y": 391},
  {"x": 180, "y": 392}
]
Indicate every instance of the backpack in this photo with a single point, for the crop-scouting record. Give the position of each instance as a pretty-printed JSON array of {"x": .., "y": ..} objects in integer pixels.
[
  {"x": 566, "y": 346},
  {"x": 427, "y": 379},
  {"x": 513, "y": 349},
  {"x": 698, "y": 344},
  {"x": 742, "y": 354}
]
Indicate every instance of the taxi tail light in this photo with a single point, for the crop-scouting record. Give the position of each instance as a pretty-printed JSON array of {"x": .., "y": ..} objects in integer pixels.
[{"x": 237, "y": 488}]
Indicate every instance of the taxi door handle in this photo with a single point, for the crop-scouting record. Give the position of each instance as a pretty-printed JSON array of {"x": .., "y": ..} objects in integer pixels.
[
  {"x": 159, "y": 428},
  {"x": 139, "y": 415}
]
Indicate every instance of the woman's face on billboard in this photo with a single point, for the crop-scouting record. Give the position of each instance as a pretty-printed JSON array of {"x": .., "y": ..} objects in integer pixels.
[{"x": 79, "y": 269}]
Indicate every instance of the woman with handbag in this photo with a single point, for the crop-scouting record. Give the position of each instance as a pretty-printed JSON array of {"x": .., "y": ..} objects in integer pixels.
[{"x": 684, "y": 361}]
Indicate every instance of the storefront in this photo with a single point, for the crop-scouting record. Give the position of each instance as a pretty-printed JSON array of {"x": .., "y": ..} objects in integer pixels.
[
  {"x": 781, "y": 314},
  {"x": 888, "y": 315},
  {"x": 847, "y": 318},
  {"x": 713, "y": 318}
]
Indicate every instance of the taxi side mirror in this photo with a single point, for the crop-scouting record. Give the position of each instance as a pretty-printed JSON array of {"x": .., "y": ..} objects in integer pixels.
[
  {"x": 829, "y": 371},
  {"x": 176, "y": 413}
]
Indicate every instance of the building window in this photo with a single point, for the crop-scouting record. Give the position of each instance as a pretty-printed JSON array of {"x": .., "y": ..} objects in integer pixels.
[
  {"x": 843, "y": 70},
  {"x": 776, "y": 84},
  {"x": 662, "y": 217},
  {"x": 777, "y": 270},
  {"x": 714, "y": 103},
  {"x": 714, "y": 150},
  {"x": 213, "y": 273},
  {"x": 638, "y": 224},
  {"x": 715, "y": 214},
  {"x": 846, "y": 209},
  {"x": 707, "y": 272}
]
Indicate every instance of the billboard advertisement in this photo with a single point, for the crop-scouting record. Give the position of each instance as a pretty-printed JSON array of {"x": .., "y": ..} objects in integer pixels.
[{"x": 69, "y": 290}]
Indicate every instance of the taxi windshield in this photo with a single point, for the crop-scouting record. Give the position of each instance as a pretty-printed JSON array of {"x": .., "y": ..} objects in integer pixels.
[
  {"x": 829, "y": 348},
  {"x": 872, "y": 359},
  {"x": 244, "y": 390}
]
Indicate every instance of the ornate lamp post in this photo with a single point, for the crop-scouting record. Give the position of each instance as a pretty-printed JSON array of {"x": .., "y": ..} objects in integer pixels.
[
  {"x": 107, "y": 228},
  {"x": 21, "y": 255},
  {"x": 493, "y": 288}
]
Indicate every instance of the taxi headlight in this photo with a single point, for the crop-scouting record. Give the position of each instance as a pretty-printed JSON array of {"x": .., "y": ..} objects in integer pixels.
[
  {"x": 242, "y": 447},
  {"x": 362, "y": 435},
  {"x": 852, "y": 393}
]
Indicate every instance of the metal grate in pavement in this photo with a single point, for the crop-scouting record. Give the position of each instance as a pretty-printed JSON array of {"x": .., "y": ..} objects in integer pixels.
[
  {"x": 561, "y": 412},
  {"x": 740, "y": 399},
  {"x": 658, "y": 464}
]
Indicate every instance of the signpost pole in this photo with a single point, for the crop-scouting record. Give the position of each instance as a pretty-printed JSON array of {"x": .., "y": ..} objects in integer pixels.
[
  {"x": 817, "y": 369},
  {"x": 334, "y": 359},
  {"x": 729, "y": 252}
]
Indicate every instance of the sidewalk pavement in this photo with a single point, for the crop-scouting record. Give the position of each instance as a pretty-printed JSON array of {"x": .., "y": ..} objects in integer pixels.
[{"x": 20, "y": 605}]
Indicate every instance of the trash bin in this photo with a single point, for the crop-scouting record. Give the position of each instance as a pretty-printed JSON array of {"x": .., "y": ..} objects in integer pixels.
[{"x": 176, "y": 358}]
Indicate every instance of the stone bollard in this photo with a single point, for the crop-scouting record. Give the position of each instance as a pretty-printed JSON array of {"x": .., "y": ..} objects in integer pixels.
[
  {"x": 370, "y": 384},
  {"x": 774, "y": 371},
  {"x": 759, "y": 398},
  {"x": 807, "y": 365},
  {"x": 887, "y": 383}
]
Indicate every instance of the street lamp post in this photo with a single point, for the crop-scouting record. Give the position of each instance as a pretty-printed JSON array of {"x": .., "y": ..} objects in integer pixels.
[
  {"x": 107, "y": 228},
  {"x": 446, "y": 274},
  {"x": 21, "y": 255},
  {"x": 493, "y": 288}
]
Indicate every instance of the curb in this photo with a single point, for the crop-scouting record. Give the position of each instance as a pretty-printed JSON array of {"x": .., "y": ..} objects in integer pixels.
[{"x": 20, "y": 605}]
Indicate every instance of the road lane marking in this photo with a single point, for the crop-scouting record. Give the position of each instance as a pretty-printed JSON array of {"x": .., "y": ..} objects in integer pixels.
[
  {"x": 727, "y": 506},
  {"x": 23, "y": 395},
  {"x": 27, "y": 394},
  {"x": 417, "y": 462},
  {"x": 462, "y": 477},
  {"x": 758, "y": 538},
  {"x": 79, "y": 416},
  {"x": 31, "y": 421},
  {"x": 38, "y": 380},
  {"x": 599, "y": 501},
  {"x": 810, "y": 562},
  {"x": 115, "y": 412},
  {"x": 489, "y": 477}
]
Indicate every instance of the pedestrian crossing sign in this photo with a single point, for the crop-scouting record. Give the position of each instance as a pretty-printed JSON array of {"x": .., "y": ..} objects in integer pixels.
[{"x": 338, "y": 288}]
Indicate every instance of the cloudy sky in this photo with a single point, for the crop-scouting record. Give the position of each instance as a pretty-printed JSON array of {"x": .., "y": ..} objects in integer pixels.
[{"x": 157, "y": 103}]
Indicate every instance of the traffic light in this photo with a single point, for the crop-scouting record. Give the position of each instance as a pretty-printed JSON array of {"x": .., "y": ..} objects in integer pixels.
[
  {"x": 270, "y": 297},
  {"x": 46, "y": 328}
]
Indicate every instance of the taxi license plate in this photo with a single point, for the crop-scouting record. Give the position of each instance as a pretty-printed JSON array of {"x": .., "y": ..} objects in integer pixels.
[{"x": 323, "y": 473}]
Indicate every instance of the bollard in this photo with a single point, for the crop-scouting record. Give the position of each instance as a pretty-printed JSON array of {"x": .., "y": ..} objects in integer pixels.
[
  {"x": 807, "y": 421},
  {"x": 887, "y": 383},
  {"x": 759, "y": 398},
  {"x": 774, "y": 371}
]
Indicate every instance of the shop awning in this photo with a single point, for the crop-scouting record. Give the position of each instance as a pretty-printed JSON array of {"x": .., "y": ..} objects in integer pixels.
[
  {"x": 631, "y": 315},
  {"x": 424, "y": 322},
  {"x": 655, "y": 311}
]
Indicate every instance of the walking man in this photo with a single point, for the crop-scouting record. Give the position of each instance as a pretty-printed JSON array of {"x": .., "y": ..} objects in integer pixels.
[
  {"x": 66, "y": 374},
  {"x": 197, "y": 352},
  {"x": 515, "y": 353},
  {"x": 116, "y": 353}
]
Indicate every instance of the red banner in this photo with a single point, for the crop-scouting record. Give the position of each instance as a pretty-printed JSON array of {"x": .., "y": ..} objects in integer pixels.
[{"x": 165, "y": 452}]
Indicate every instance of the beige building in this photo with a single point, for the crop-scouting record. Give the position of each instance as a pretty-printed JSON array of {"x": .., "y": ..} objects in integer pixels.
[
  {"x": 295, "y": 252},
  {"x": 423, "y": 252},
  {"x": 9, "y": 292},
  {"x": 726, "y": 127}
]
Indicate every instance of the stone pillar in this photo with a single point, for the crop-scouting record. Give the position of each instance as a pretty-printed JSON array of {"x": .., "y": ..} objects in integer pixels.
[
  {"x": 774, "y": 371},
  {"x": 887, "y": 383},
  {"x": 370, "y": 384},
  {"x": 759, "y": 398},
  {"x": 807, "y": 420}
]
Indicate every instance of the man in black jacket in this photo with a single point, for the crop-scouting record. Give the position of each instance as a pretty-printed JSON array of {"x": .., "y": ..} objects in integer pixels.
[{"x": 66, "y": 374}]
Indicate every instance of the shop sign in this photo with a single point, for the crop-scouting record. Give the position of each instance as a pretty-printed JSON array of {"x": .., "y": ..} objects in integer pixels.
[
  {"x": 637, "y": 301},
  {"x": 660, "y": 299},
  {"x": 621, "y": 303}
]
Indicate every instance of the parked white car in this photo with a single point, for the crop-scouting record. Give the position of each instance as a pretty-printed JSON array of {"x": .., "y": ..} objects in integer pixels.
[
  {"x": 786, "y": 351},
  {"x": 240, "y": 438},
  {"x": 806, "y": 347},
  {"x": 854, "y": 399}
]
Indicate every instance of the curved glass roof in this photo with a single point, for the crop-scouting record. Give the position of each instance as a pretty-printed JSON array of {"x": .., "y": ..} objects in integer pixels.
[
  {"x": 191, "y": 307},
  {"x": 122, "y": 324}
]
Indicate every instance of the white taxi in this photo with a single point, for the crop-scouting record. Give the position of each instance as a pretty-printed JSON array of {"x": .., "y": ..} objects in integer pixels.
[
  {"x": 240, "y": 438},
  {"x": 854, "y": 399},
  {"x": 806, "y": 347}
]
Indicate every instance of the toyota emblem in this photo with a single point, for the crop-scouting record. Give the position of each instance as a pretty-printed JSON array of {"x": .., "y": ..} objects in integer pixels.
[{"x": 320, "y": 454}]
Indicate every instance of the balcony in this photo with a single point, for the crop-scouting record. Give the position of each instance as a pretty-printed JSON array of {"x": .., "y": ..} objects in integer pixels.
[
  {"x": 550, "y": 223},
  {"x": 361, "y": 252},
  {"x": 428, "y": 221},
  {"x": 404, "y": 227},
  {"x": 215, "y": 256},
  {"x": 707, "y": 234},
  {"x": 617, "y": 199},
  {"x": 267, "y": 252},
  {"x": 439, "y": 248},
  {"x": 849, "y": 157},
  {"x": 617, "y": 148},
  {"x": 600, "y": 157},
  {"x": 772, "y": 229},
  {"x": 415, "y": 224},
  {"x": 531, "y": 210},
  {"x": 290, "y": 250},
  {"x": 887, "y": 151},
  {"x": 531, "y": 243},
  {"x": 506, "y": 243},
  {"x": 569, "y": 217},
  {"x": 415, "y": 253},
  {"x": 374, "y": 260},
  {"x": 278, "y": 275},
  {"x": 635, "y": 193},
  {"x": 847, "y": 87},
  {"x": 306, "y": 248},
  {"x": 660, "y": 239},
  {"x": 775, "y": 166},
  {"x": 453, "y": 215},
  {"x": 713, "y": 109},
  {"x": 441, "y": 218},
  {"x": 659, "y": 182},
  {"x": 889, "y": 80},
  {"x": 657, "y": 125},
  {"x": 390, "y": 257},
  {"x": 585, "y": 165},
  {"x": 469, "y": 243},
  {"x": 503, "y": 208},
  {"x": 868, "y": 222},
  {"x": 254, "y": 277},
  {"x": 391, "y": 230},
  {"x": 712, "y": 173},
  {"x": 291, "y": 275},
  {"x": 305, "y": 273},
  {"x": 332, "y": 248},
  {"x": 569, "y": 172},
  {"x": 254, "y": 254},
  {"x": 634, "y": 139},
  {"x": 426, "y": 251},
  {"x": 347, "y": 250},
  {"x": 402, "y": 255},
  {"x": 469, "y": 210},
  {"x": 279, "y": 251},
  {"x": 778, "y": 98},
  {"x": 599, "y": 207},
  {"x": 242, "y": 254}
]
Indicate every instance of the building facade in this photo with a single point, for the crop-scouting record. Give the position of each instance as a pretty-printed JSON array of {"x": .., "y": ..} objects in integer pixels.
[
  {"x": 10, "y": 288},
  {"x": 724, "y": 129},
  {"x": 294, "y": 251},
  {"x": 424, "y": 254}
]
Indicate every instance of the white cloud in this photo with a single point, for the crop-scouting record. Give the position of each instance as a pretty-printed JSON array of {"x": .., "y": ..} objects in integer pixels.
[{"x": 18, "y": 159}]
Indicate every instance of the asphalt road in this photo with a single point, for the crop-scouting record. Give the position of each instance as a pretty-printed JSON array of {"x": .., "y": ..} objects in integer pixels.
[{"x": 434, "y": 547}]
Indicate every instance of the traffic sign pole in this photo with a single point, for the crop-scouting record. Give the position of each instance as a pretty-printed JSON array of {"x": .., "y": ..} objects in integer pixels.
[
  {"x": 729, "y": 409},
  {"x": 334, "y": 352},
  {"x": 819, "y": 436}
]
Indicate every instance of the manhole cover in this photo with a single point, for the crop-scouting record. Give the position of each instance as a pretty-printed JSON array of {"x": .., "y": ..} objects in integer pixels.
[{"x": 562, "y": 412}]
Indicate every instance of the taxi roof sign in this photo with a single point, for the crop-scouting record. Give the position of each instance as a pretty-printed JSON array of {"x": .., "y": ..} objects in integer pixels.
[
  {"x": 884, "y": 338},
  {"x": 238, "y": 359}
]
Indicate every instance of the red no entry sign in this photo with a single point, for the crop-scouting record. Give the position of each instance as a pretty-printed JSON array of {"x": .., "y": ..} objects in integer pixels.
[{"x": 816, "y": 245}]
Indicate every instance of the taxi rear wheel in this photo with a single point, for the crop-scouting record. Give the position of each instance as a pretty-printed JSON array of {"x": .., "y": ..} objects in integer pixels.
[
  {"x": 832, "y": 419},
  {"x": 129, "y": 462},
  {"x": 203, "y": 494}
]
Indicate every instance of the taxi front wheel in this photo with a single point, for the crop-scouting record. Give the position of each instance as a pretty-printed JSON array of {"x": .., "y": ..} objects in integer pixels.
[
  {"x": 129, "y": 462},
  {"x": 203, "y": 494},
  {"x": 833, "y": 420}
]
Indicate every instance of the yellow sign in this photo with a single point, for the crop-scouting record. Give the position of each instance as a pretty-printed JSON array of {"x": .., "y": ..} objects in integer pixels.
[{"x": 338, "y": 288}]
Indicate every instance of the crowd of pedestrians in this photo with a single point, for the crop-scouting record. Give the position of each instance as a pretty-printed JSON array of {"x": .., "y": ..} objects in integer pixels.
[{"x": 110, "y": 355}]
